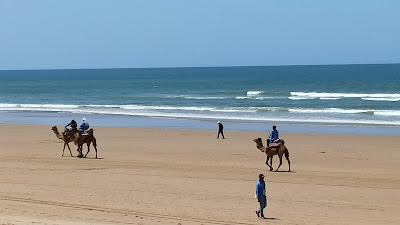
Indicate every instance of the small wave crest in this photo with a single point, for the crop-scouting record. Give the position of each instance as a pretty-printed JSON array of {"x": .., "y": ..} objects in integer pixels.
[
  {"x": 387, "y": 112},
  {"x": 194, "y": 97},
  {"x": 332, "y": 110},
  {"x": 254, "y": 93},
  {"x": 299, "y": 98},
  {"x": 382, "y": 99},
  {"x": 12, "y": 105},
  {"x": 331, "y": 96},
  {"x": 254, "y": 97}
]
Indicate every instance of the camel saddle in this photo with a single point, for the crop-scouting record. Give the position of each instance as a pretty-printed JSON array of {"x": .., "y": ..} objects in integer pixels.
[{"x": 275, "y": 144}]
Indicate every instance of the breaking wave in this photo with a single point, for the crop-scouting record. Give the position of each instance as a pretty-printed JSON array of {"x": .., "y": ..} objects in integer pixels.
[
  {"x": 254, "y": 93},
  {"x": 336, "y": 96}
]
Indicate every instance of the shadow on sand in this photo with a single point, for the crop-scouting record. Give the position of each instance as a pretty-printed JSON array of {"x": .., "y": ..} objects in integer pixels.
[
  {"x": 67, "y": 156},
  {"x": 271, "y": 218},
  {"x": 93, "y": 158},
  {"x": 283, "y": 171}
]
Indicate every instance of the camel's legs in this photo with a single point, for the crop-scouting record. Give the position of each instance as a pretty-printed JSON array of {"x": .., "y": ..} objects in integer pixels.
[
  {"x": 287, "y": 158},
  {"x": 266, "y": 162},
  {"x": 63, "y": 149},
  {"x": 68, "y": 149},
  {"x": 270, "y": 162},
  {"x": 80, "y": 151},
  {"x": 280, "y": 162},
  {"x": 88, "y": 149},
  {"x": 95, "y": 145}
]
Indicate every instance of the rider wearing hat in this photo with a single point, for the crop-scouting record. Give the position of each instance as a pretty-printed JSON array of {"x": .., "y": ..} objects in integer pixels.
[
  {"x": 71, "y": 128},
  {"x": 84, "y": 126}
]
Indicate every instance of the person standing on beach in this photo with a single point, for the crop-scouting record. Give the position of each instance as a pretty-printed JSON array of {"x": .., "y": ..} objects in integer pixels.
[
  {"x": 261, "y": 195},
  {"x": 220, "y": 130},
  {"x": 273, "y": 137}
]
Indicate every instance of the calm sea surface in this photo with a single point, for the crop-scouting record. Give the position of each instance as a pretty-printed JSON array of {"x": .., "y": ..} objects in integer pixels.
[{"x": 343, "y": 94}]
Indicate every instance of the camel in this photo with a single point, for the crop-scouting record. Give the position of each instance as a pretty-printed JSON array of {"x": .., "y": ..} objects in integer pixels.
[
  {"x": 66, "y": 138},
  {"x": 273, "y": 150},
  {"x": 78, "y": 140},
  {"x": 86, "y": 139}
]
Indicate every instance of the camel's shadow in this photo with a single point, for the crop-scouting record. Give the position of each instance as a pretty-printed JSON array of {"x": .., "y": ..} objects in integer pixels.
[
  {"x": 99, "y": 158},
  {"x": 67, "y": 156},
  {"x": 283, "y": 171}
]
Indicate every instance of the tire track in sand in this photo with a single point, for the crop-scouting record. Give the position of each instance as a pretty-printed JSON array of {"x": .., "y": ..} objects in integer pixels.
[{"x": 121, "y": 211}]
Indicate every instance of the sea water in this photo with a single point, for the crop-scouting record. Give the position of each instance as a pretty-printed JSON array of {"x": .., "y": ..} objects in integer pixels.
[{"x": 351, "y": 95}]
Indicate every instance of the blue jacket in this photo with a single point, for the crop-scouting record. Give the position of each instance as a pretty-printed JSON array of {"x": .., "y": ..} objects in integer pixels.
[
  {"x": 84, "y": 126},
  {"x": 274, "y": 135},
  {"x": 260, "y": 189}
]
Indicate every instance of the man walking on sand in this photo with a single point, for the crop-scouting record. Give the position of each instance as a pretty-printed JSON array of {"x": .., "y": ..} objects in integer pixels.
[
  {"x": 261, "y": 196},
  {"x": 220, "y": 130}
]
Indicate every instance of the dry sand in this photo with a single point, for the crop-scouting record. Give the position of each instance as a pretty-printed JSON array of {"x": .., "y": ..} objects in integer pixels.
[{"x": 150, "y": 176}]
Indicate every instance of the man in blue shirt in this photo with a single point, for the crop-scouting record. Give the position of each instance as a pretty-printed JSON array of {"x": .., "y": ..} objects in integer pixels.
[
  {"x": 274, "y": 136},
  {"x": 261, "y": 196}
]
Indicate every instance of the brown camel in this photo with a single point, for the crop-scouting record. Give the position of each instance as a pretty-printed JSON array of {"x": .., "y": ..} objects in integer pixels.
[
  {"x": 66, "y": 138},
  {"x": 278, "y": 149},
  {"x": 78, "y": 140},
  {"x": 87, "y": 139}
]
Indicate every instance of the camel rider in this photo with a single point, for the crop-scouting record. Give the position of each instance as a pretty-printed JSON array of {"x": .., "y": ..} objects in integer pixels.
[
  {"x": 274, "y": 136},
  {"x": 84, "y": 126},
  {"x": 71, "y": 128}
]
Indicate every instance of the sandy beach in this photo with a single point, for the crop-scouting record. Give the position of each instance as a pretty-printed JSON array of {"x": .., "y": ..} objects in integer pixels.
[{"x": 159, "y": 176}]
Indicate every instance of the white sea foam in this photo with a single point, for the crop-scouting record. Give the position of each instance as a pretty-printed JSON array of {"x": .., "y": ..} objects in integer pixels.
[
  {"x": 263, "y": 98},
  {"x": 194, "y": 97},
  {"x": 382, "y": 99},
  {"x": 203, "y": 98},
  {"x": 329, "y": 98},
  {"x": 343, "y": 95},
  {"x": 330, "y": 110},
  {"x": 269, "y": 109},
  {"x": 256, "y": 98},
  {"x": 188, "y": 108},
  {"x": 13, "y": 105},
  {"x": 101, "y": 106},
  {"x": 299, "y": 98},
  {"x": 254, "y": 93},
  {"x": 242, "y": 97},
  {"x": 387, "y": 112}
]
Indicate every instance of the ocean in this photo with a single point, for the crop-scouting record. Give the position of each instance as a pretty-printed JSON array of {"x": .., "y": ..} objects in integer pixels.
[{"x": 351, "y": 95}]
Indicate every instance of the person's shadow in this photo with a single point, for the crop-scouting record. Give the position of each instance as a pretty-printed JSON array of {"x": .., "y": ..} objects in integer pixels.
[{"x": 271, "y": 218}]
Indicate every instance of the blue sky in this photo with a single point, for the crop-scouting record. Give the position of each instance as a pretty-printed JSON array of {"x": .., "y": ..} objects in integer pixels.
[{"x": 172, "y": 33}]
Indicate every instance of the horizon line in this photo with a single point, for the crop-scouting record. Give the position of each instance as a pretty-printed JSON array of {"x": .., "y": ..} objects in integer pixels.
[{"x": 188, "y": 67}]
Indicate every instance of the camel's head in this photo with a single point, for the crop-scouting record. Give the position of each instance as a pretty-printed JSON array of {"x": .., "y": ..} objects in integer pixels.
[
  {"x": 258, "y": 141},
  {"x": 260, "y": 146},
  {"x": 53, "y": 128}
]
